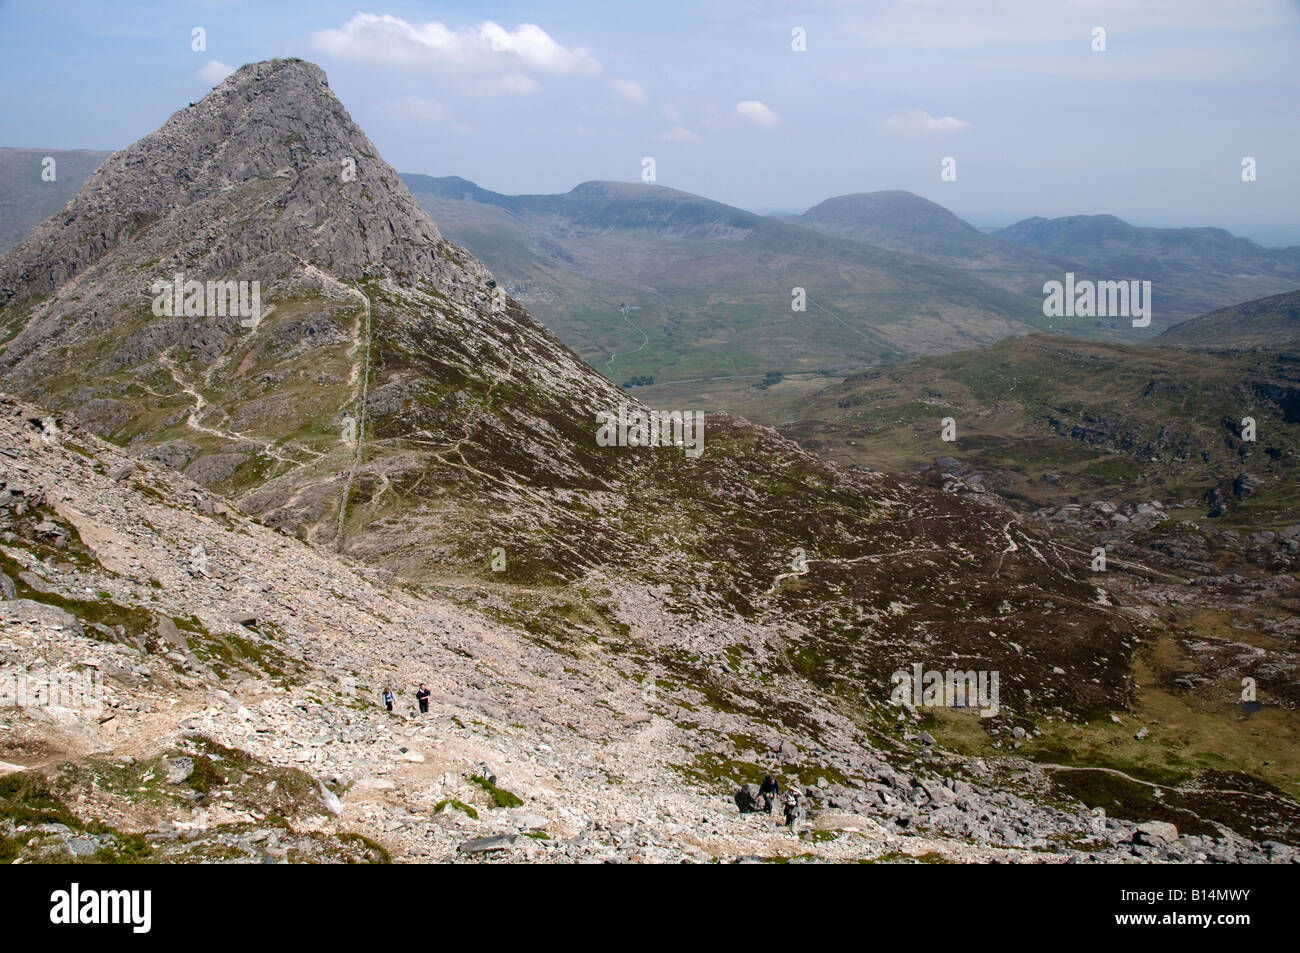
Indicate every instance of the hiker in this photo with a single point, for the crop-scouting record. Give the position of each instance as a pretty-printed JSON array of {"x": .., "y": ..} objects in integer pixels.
[
  {"x": 769, "y": 791},
  {"x": 389, "y": 698},
  {"x": 792, "y": 796},
  {"x": 422, "y": 696}
]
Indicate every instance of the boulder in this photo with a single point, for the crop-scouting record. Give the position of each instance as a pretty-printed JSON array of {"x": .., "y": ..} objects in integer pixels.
[
  {"x": 480, "y": 845},
  {"x": 747, "y": 799},
  {"x": 1245, "y": 484},
  {"x": 1155, "y": 834},
  {"x": 178, "y": 769}
]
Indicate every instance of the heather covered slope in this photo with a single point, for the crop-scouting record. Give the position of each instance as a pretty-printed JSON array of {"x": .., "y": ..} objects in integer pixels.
[
  {"x": 238, "y": 718},
  {"x": 478, "y": 428},
  {"x": 1144, "y": 453},
  {"x": 775, "y": 590},
  {"x": 1271, "y": 323}
]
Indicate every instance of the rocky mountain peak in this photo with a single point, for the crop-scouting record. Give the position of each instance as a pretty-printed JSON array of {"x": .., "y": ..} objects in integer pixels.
[{"x": 267, "y": 177}]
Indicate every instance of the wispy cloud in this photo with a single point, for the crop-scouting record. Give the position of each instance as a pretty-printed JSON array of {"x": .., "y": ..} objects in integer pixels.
[
  {"x": 492, "y": 59},
  {"x": 956, "y": 24},
  {"x": 678, "y": 134},
  {"x": 630, "y": 90},
  {"x": 214, "y": 72},
  {"x": 918, "y": 122},
  {"x": 751, "y": 110}
]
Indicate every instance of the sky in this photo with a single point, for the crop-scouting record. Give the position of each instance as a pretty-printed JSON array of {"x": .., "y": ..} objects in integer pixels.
[{"x": 538, "y": 97}]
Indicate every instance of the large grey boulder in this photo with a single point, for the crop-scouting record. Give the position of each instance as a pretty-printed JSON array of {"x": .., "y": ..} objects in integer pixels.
[{"x": 1155, "y": 834}]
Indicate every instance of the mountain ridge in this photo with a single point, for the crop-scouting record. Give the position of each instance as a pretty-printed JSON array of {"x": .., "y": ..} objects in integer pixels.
[{"x": 392, "y": 407}]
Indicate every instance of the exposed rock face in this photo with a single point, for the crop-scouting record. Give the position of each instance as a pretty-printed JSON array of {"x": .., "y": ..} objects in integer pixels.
[
  {"x": 254, "y": 689},
  {"x": 271, "y": 139},
  {"x": 472, "y": 432},
  {"x": 476, "y": 426}
]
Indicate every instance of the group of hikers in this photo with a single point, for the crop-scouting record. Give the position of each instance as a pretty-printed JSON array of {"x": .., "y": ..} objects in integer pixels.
[
  {"x": 422, "y": 697},
  {"x": 769, "y": 791}
]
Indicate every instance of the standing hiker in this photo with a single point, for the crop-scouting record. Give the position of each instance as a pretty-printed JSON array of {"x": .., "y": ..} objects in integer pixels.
[
  {"x": 769, "y": 791},
  {"x": 792, "y": 796},
  {"x": 389, "y": 698},
  {"x": 422, "y": 696}
]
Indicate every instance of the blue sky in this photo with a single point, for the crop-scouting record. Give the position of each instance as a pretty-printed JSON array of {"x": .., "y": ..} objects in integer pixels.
[{"x": 537, "y": 97}]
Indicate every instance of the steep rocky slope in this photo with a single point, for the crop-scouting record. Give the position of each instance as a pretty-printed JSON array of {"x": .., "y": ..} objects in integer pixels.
[
  {"x": 234, "y": 714},
  {"x": 388, "y": 407}
]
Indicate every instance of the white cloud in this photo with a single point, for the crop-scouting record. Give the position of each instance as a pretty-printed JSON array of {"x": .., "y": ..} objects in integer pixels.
[
  {"x": 754, "y": 111},
  {"x": 918, "y": 122},
  {"x": 421, "y": 110},
  {"x": 630, "y": 90},
  {"x": 215, "y": 71},
  {"x": 678, "y": 134},
  {"x": 487, "y": 48},
  {"x": 671, "y": 113}
]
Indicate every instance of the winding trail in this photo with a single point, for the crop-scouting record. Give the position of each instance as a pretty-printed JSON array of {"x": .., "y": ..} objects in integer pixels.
[
  {"x": 645, "y": 339},
  {"x": 361, "y": 429}
]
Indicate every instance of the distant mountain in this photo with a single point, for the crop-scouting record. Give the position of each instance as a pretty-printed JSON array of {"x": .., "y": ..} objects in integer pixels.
[
  {"x": 908, "y": 223},
  {"x": 26, "y": 198},
  {"x": 648, "y": 281},
  {"x": 1272, "y": 323},
  {"x": 898, "y": 220},
  {"x": 1192, "y": 270}
]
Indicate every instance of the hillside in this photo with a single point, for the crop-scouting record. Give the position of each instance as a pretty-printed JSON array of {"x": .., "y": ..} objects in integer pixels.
[
  {"x": 1137, "y": 452},
  {"x": 647, "y": 281},
  {"x": 1193, "y": 270},
  {"x": 390, "y": 412},
  {"x": 1271, "y": 323},
  {"x": 908, "y": 223}
]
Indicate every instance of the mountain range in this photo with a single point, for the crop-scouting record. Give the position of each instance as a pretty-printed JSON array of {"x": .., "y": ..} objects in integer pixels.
[
  {"x": 650, "y": 283},
  {"x": 250, "y": 301}
]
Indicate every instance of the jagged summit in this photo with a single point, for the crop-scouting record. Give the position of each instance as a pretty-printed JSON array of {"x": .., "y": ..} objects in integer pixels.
[
  {"x": 368, "y": 319},
  {"x": 254, "y": 178}
]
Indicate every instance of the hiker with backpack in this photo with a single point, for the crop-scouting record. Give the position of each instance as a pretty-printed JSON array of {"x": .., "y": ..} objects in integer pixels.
[
  {"x": 422, "y": 696},
  {"x": 389, "y": 699},
  {"x": 792, "y": 795},
  {"x": 769, "y": 791}
]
